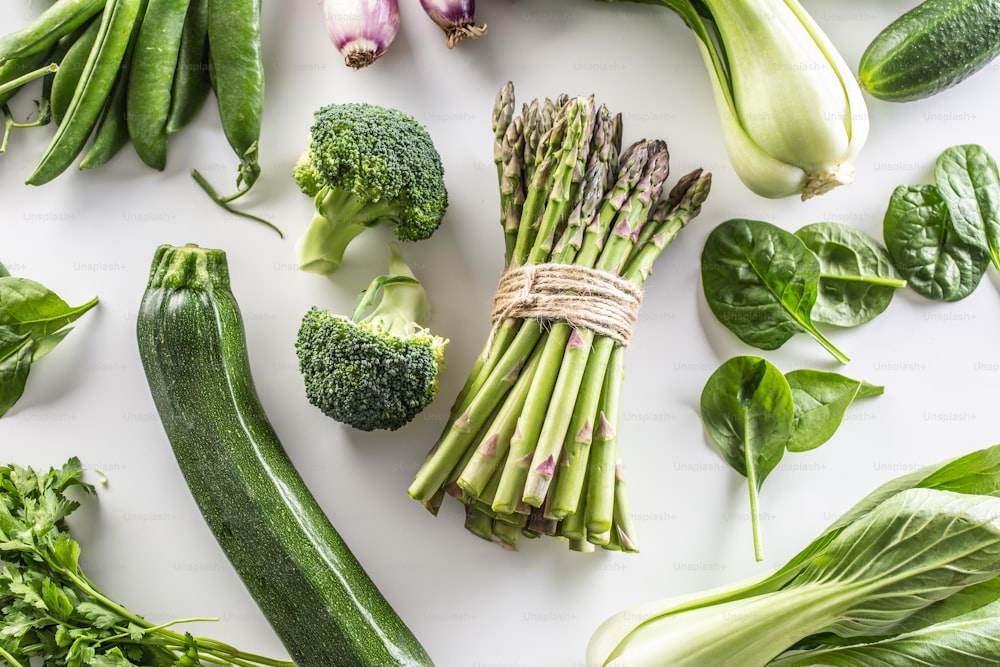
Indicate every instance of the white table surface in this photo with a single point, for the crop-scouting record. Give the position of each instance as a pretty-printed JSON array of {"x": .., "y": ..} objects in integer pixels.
[{"x": 471, "y": 603}]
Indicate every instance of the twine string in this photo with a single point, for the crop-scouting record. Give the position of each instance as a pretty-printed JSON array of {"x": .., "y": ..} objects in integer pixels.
[{"x": 585, "y": 298}]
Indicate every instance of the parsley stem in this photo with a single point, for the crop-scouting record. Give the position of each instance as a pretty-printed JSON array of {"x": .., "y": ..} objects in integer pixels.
[
  {"x": 9, "y": 659},
  {"x": 220, "y": 652}
]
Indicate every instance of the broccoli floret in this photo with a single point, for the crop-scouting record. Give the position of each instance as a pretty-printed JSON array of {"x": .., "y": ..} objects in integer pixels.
[
  {"x": 367, "y": 164},
  {"x": 374, "y": 371}
]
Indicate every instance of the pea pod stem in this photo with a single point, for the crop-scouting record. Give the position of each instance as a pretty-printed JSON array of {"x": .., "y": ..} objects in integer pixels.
[
  {"x": 51, "y": 68},
  {"x": 224, "y": 201}
]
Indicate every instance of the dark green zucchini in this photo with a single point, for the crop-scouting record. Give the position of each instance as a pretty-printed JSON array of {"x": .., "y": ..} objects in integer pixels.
[
  {"x": 930, "y": 48},
  {"x": 317, "y": 597}
]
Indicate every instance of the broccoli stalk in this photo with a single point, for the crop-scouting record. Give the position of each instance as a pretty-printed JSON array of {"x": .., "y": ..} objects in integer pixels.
[
  {"x": 340, "y": 217},
  {"x": 377, "y": 370},
  {"x": 403, "y": 309},
  {"x": 366, "y": 165}
]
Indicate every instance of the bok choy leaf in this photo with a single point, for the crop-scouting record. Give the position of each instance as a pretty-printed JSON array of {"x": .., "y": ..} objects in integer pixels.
[{"x": 908, "y": 576}]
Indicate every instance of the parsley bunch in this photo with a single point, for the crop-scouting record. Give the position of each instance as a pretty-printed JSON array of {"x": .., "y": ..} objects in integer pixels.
[{"x": 50, "y": 610}]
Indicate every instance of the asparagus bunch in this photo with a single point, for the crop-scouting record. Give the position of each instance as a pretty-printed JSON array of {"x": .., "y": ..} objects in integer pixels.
[{"x": 531, "y": 444}]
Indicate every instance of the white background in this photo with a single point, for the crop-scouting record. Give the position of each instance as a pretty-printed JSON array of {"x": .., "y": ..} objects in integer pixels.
[{"x": 471, "y": 603}]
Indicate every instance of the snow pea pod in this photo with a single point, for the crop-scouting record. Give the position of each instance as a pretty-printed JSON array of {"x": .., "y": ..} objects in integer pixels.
[
  {"x": 112, "y": 133},
  {"x": 91, "y": 96},
  {"x": 191, "y": 85},
  {"x": 151, "y": 78},
  {"x": 234, "y": 39},
  {"x": 59, "y": 20},
  {"x": 71, "y": 68}
]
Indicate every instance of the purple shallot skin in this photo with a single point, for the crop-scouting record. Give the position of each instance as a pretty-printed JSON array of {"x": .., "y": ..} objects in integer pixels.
[
  {"x": 362, "y": 30},
  {"x": 455, "y": 17}
]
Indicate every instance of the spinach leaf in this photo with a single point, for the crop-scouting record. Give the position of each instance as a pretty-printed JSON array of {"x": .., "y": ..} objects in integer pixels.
[
  {"x": 3, "y": 271},
  {"x": 16, "y": 353},
  {"x": 747, "y": 409},
  {"x": 969, "y": 182},
  {"x": 33, "y": 320},
  {"x": 44, "y": 345},
  {"x": 27, "y": 306},
  {"x": 821, "y": 399},
  {"x": 935, "y": 262},
  {"x": 761, "y": 282},
  {"x": 857, "y": 279}
]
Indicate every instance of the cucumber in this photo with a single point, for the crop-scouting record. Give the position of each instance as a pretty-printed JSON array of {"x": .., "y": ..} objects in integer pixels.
[
  {"x": 931, "y": 48},
  {"x": 321, "y": 603}
]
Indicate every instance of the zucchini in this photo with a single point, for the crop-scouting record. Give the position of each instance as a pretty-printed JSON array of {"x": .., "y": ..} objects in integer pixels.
[
  {"x": 321, "y": 603},
  {"x": 930, "y": 48}
]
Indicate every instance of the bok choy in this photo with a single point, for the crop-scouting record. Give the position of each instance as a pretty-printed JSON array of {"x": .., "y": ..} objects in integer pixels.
[
  {"x": 908, "y": 576},
  {"x": 793, "y": 116}
]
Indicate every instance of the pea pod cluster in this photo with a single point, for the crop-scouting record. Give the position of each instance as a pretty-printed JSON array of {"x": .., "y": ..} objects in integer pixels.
[{"x": 136, "y": 72}]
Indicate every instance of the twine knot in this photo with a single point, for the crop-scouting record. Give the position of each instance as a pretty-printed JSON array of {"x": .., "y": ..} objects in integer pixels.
[{"x": 586, "y": 298}]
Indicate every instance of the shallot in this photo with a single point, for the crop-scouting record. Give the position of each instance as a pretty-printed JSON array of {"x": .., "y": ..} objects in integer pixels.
[
  {"x": 362, "y": 30},
  {"x": 455, "y": 17}
]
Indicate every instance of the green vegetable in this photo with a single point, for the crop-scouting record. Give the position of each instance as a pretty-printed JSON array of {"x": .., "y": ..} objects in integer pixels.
[
  {"x": 169, "y": 66},
  {"x": 151, "y": 77},
  {"x": 111, "y": 133},
  {"x": 53, "y": 612},
  {"x": 71, "y": 66},
  {"x": 908, "y": 576},
  {"x": 857, "y": 279},
  {"x": 90, "y": 95},
  {"x": 935, "y": 262},
  {"x": 969, "y": 183},
  {"x": 306, "y": 581},
  {"x": 942, "y": 237},
  {"x": 754, "y": 413},
  {"x": 762, "y": 282},
  {"x": 233, "y": 32},
  {"x": 379, "y": 369},
  {"x": 930, "y": 48},
  {"x": 747, "y": 409},
  {"x": 821, "y": 399},
  {"x": 33, "y": 320},
  {"x": 531, "y": 444},
  {"x": 963, "y": 639},
  {"x": 793, "y": 116},
  {"x": 191, "y": 84},
  {"x": 58, "y": 20},
  {"x": 366, "y": 165}
]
